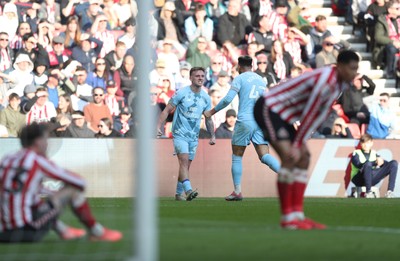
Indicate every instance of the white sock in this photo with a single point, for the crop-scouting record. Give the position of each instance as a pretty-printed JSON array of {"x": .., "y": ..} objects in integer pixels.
[
  {"x": 289, "y": 217},
  {"x": 60, "y": 227},
  {"x": 299, "y": 215},
  {"x": 97, "y": 230},
  {"x": 238, "y": 189}
]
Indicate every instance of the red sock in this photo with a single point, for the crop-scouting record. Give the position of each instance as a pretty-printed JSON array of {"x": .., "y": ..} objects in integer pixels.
[
  {"x": 85, "y": 215},
  {"x": 298, "y": 196},
  {"x": 285, "y": 191}
]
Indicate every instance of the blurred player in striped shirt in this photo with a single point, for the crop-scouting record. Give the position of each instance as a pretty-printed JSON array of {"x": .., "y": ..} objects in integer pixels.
[
  {"x": 24, "y": 215},
  {"x": 306, "y": 99}
]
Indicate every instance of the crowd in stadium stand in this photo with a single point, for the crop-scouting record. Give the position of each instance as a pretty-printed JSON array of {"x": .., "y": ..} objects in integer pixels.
[{"x": 72, "y": 63}]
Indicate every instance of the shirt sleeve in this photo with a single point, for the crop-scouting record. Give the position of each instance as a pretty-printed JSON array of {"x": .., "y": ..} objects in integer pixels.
[{"x": 176, "y": 98}]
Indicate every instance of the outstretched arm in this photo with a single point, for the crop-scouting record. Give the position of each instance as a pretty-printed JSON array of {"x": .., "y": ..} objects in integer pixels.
[
  {"x": 163, "y": 117},
  {"x": 210, "y": 129},
  {"x": 222, "y": 104}
]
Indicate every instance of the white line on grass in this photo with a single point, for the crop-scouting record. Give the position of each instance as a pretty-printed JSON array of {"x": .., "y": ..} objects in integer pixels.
[{"x": 384, "y": 230}]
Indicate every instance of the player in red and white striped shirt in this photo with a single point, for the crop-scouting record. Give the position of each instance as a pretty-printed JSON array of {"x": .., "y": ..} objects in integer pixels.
[
  {"x": 306, "y": 99},
  {"x": 24, "y": 216}
]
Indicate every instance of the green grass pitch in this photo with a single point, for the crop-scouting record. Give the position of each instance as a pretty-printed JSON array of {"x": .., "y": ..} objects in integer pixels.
[{"x": 212, "y": 229}]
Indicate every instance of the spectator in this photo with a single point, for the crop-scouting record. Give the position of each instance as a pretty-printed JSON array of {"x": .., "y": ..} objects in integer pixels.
[
  {"x": 29, "y": 98},
  {"x": 125, "y": 78},
  {"x": 6, "y": 53},
  {"x": 382, "y": 119},
  {"x": 196, "y": 53},
  {"x": 99, "y": 31},
  {"x": 374, "y": 10},
  {"x": 64, "y": 108},
  {"x": 45, "y": 34},
  {"x": 9, "y": 20},
  {"x": 298, "y": 16},
  {"x": 183, "y": 80},
  {"x": 225, "y": 130},
  {"x": 32, "y": 18},
  {"x": 232, "y": 25},
  {"x": 50, "y": 11},
  {"x": 167, "y": 90},
  {"x": 113, "y": 102},
  {"x": 185, "y": 8},
  {"x": 82, "y": 88},
  {"x": 213, "y": 71},
  {"x": 280, "y": 24},
  {"x": 58, "y": 56},
  {"x": 340, "y": 129},
  {"x": 115, "y": 58},
  {"x": 21, "y": 76},
  {"x": 96, "y": 110},
  {"x": 352, "y": 99},
  {"x": 43, "y": 110},
  {"x": 199, "y": 24},
  {"x": 12, "y": 117},
  {"x": 279, "y": 62},
  {"x": 129, "y": 37},
  {"x": 100, "y": 75},
  {"x": 328, "y": 54},
  {"x": 124, "y": 123},
  {"x": 317, "y": 35},
  {"x": 293, "y": 45},
  {"x": 170, "y": 24},
  {"x": 262, "y": 63},
  {"x": 84, "y": 52},
  {"x": 160, "y": 69},
  {"x": 16, "y": 42},
  {"x": 125, "y": 9},
  {"x": 87, "y": 12},
  {"x": 40, "y": 72},
  {"x": 214, "y": 10},
  {"x": 387, "y": 38},
  {"x": 263, "y": 35},
  {"x": 57, "y": 85},
  {"x": 78, "y": 128},
  {"x": 33, "y": 49},
  {"x": 167, "y": 54},
  {"x": 72, "y": 34},
  {"x": 368, "y": 168},
  {"x": 106, "y": 129},
  {"x": 111, "y": 14}
]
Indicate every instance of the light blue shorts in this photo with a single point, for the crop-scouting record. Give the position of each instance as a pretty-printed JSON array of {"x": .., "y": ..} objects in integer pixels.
[
  {"x": 244, "y": 133},
  {"x": 183, "y": 146}
]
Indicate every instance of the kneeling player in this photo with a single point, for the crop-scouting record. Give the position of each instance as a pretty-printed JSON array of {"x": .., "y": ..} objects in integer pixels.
[
  {"x": 308, "y": 99},
  {"x": 24, "y": 216}
]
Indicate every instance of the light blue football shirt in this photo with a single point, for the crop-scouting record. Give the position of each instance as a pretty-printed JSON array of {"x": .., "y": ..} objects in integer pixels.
[
  {"x": 189, "y": 109},
  {"x": 249, "y": 86}
]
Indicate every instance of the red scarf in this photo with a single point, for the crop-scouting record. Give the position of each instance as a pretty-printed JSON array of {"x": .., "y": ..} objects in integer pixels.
[{"x": 393, "y": 34}]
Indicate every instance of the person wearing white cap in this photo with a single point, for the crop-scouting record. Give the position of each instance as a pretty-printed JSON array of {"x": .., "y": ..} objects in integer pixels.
[{"x": 21, "y": 76}]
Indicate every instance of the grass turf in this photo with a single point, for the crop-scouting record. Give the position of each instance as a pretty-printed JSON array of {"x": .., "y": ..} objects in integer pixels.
[{"x": 212, "y": 229}]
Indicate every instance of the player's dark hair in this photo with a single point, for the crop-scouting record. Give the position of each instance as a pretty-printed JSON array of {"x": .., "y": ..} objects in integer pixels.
[
  {"x": 347, "y": 56},
  {"x": 245, "y": 61},
  {"x": 384, "y": 94},
  {"x": 31, "y": 133},
  {"x": 365, "y": 137},
  {"x": 195, "y": 69}
]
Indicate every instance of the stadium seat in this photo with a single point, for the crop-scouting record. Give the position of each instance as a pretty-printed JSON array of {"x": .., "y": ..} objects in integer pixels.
[
  {"x": 355, "y": 130},
  {"x": 364, "y": 128}
]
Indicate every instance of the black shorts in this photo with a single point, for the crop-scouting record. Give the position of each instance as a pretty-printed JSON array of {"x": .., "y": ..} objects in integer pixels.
[
  {"x": 272, "y": 125},
  {"x": 44, "y": 216}
]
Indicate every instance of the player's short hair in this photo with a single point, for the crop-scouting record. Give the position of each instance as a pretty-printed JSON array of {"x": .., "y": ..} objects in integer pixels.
[
  {"x": 365, "y": 137},
  {"x": 13, "y": 96},
  {"x": 347, "y": 56},
  {"x": 195, "y": 69},
  {"x": 245, "y": 61},
  {"x": 31, "y": 133}
]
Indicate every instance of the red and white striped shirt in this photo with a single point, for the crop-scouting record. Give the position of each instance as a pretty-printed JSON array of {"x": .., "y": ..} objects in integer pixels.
[
  {"x": 5, "y": 62},
  {"x": 16, "y": 43},
  {"x": 41, "y": 114},
  {"x": 307, "y": 98},
  {"x": 21, "y": 176},
  {"x": 113, "y": 104},
  {"x": 108, "y": 42},
  {"x": 294, "y": 49}
]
